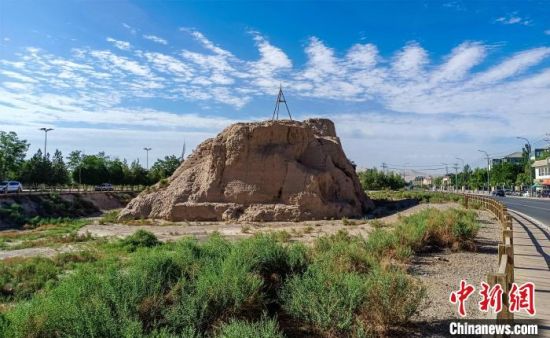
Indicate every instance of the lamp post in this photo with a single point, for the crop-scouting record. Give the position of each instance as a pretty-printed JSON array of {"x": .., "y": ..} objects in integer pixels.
[
  {"x": 147, "y": 150},
  {"x": 488, "y": 169},
  {"x": 528, "y": 148},
  {"x": 46, "y": 130}
]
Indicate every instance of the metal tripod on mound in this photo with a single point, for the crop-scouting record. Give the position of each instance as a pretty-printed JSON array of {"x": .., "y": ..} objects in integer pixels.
[{"x": 280, "y": 99}]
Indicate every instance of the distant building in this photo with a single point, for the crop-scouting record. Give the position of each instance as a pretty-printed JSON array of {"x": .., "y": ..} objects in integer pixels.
[
  {"x": 514, "y": 158},
  {"x": 538, "y": 152},
  {"x": 542, "y": 171}
]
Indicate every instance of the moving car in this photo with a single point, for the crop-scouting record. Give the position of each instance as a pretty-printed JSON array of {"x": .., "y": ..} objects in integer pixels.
[
  {"x": 104, "y": 187},
  {"x": 498, "y": 192},
  {"x": 10, "y": 186}
]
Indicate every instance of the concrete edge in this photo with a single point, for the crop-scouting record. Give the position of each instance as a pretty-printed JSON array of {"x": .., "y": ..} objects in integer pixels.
[{"x": 534, "y": 220}]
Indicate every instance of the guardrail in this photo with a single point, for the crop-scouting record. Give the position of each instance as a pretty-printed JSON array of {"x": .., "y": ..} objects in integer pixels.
[
  {"x": 71, "y": 189},
  {"x": 505, "y": 273}
]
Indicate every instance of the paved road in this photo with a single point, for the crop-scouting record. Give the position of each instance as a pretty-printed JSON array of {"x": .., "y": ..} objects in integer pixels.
[{"x": 538, "y": 209}]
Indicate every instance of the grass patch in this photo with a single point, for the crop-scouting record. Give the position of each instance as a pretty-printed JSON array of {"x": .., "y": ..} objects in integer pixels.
[
  {"x": 20, "y": 278},
  {"x": 420, "y": 196},
  {"x": 109, "y": 217},
  {"x": 44, "y": 232}
]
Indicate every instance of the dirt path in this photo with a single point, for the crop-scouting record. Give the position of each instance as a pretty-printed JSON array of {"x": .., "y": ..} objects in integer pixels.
[
  {"x": 39, "y": 251},
  {"x": 441, "y": 273}
]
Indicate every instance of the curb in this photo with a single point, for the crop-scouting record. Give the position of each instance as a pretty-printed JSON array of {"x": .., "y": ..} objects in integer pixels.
[{"x": 534, "y": 220}]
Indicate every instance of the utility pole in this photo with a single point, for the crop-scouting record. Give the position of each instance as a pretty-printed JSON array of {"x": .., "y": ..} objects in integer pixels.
[
  {"x": 446, "y": 172},
  {"x": 464, "y": 174},
  {"x": 384, "y": 166},
  {"x": 147, "y": 150},
  {"x": 528, "y": 148},
  {"x": 46, "y": 130},
  {"x": 488, "y": 169},
  {"x": 456, "y": 175}
]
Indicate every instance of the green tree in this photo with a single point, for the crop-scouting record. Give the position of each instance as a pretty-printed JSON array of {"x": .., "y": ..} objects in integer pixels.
[
  {"x": 373, "y": 179},
  {"x": 37, "y": 170},
  {"x": 74, "y": 159},
  {"x": 478, "y": 179},
  {"x": 505, "y": 174},
  {"x": 59, "y": 171},
  {"x": 164, "y": 168},
  {"x": 117, "y": 171},
  {"x": 12, "y": 154},
  {"x": 92, "y": 170},
  {"x": 138, "y": 174}
]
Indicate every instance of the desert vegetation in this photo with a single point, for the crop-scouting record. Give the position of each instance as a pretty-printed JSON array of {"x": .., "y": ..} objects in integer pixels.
[{"x": 262, "y": 286}]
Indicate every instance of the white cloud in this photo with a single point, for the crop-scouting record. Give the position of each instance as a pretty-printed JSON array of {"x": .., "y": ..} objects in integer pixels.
[
  {"x": 514, "y": 19},
  {"x": 514, "y": 65},
  {"x": 123, "y": 45},
  {"x": 205, "y": 42},
  {"x": 419, "y": 98},
  {"x": 112, "y": 60},
  {"x": 130, "y": 28},
  {"x": 409, "y": 62},
  {"x": 156, "y": 39},
  {"x": 461, "y": 60}
]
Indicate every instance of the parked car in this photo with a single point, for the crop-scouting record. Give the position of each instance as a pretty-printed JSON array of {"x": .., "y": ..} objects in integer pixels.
[
  {"x": 498, "y": 192},
  {"x": 10, "y": 186},
  {"x": 104, "y": 187},
  {"x": 545, "y": 193}
]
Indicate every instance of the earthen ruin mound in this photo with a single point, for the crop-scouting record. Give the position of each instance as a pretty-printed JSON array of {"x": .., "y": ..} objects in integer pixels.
[{"x": 261, "y": 171}]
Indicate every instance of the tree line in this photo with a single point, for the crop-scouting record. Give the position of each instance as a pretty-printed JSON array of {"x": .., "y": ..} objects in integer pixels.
[{"x": 76, "y": 168}]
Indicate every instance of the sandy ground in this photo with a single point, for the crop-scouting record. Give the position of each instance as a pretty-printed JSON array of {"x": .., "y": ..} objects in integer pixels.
[
  {"x": 441, "y": 273},
  {"x": 301, "y": 231},
  {"x": 170, "y": 231}
]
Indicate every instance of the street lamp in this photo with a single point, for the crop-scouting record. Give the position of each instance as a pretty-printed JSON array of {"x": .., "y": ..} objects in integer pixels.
[
  {"x": 488, "y": 169},
  {"x": 147, "y": 150},
  {"x": 46, "y": 130},
  {"x": 528, "y": 148}
]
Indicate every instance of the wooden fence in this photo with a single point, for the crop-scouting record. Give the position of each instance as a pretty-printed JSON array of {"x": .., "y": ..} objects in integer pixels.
[
  {"x": 505, "y": 273},
  {"x": 70, "y": 189}
]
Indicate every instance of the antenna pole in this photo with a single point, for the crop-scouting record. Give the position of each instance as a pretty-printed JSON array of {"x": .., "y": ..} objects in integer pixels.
[{"x": 280, "y": 99}]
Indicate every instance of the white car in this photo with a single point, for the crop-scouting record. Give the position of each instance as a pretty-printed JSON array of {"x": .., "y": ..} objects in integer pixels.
[{"x": 10, "y": 186}]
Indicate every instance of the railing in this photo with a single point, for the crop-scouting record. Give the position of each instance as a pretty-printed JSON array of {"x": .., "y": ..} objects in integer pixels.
[
  {"x": 505, "y": 273},
  {"x": 71, "y": 189}
]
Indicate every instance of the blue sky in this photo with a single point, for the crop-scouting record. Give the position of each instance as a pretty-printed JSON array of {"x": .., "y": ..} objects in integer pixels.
[{"x": 407, "y": 83}]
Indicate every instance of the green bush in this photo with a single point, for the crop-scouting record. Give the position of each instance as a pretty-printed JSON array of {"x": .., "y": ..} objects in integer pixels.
[
  {"x": 140, "y": 239},
  {"x": 220, "y": 288},
  {"x": 329, "y": 301},
  {"x": 392, "y": 298},
  {"x": 109, "y": 217},
  {"x": 265, "y": 328}
]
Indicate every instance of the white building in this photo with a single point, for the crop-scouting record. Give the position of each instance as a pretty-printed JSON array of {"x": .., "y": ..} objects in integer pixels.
[{"x": 542, "y": 171}]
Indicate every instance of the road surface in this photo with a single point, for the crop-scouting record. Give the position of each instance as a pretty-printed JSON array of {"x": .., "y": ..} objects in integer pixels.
[{"x": 538, "y": 209}]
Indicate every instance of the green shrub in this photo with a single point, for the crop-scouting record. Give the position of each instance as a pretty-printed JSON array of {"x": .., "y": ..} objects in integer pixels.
[
  {"x": 140, "y": 239},
  {"x": 328, "y": 301},
  {"x": 109, "y": 217},
  {"x": 265, "y": 328},
  {"x": 21, "y": 278},
  {"x": 392, "y": 298}
]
